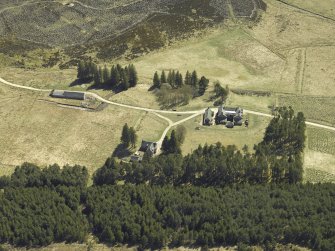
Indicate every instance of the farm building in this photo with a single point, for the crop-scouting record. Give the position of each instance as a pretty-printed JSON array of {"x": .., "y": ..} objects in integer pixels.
[
  {"x": 228, "y": 114},
  {"x": 208, "y": 117},
  {"x": 230, "y": 124},
  {"x": 67, "y": 94},
  {"x": 221, "y": 117},
  {"x": 147, "y": 146}
]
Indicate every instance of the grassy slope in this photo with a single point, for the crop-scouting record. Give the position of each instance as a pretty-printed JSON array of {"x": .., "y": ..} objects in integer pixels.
[
  {"x": 266, "y": 57},
  {"x": 325, "y": 8},
  {"x": 43, "y": 133}
]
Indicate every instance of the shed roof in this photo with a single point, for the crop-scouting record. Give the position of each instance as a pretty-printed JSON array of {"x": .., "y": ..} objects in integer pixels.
[
  {"x": 68, "y": 94},
  {"x": 147, "y": 145}
]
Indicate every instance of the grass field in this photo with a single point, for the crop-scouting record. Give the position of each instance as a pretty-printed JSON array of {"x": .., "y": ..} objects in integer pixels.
[
  {"x": 44, "y": 134},
  {"x": 317, "y": 109},
  {"x": 209, "y": 56},
  {"x": 319, "y": 156},
  {"x": 321, "y": 140},
  {"x": 319, "y": 161},
  {"x": 138, "y": 96},
  {"x": 319, "y": 78},
  {"x": 41, "y": 78},
  {"x": 325, "y": 8}
]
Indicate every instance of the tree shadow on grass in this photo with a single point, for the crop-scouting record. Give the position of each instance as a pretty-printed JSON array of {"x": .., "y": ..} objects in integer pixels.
[
  {"x": 121, "y": 151},
  {"x": 80, "y": 82},
  {"x": 115, "y": 89}
]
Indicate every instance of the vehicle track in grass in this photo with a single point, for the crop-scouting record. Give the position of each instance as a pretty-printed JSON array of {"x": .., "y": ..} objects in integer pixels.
[{"x": 305, "y": 10}]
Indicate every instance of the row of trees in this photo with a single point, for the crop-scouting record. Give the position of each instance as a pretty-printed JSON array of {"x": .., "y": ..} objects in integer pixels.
[
  {"x": 220, "y": 93},
  {"x": 117, "y": 76},
  {"x": 171, "y": 145},
  {"x": 217, "y": 165},
  {"x": 30, "y": 175},
  {"x": 155, "y": 217},
  {"x": 213, "y": 165},
  {"x": 175, "y": 80}
]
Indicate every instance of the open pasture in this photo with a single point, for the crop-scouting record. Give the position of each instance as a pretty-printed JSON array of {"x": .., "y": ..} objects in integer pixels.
[
  {"x": 319, "y": 72},
  {"x": 319, "y": 161},
  {"x": 316, "y": 109},
  {"x": 44, "y": 133},
  {"x": 321, "y": 140},
  {"x": 325, "y": 8}
]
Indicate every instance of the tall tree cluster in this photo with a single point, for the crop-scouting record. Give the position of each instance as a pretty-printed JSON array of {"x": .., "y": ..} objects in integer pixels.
[
  {"x": 216, "y": 165},
  {"x": 175, "y": 80},
  {"x": 30, "y": 175},
  {"x": 220, "y": 92},
  {"x": 114, "y": 77},
  {"x": 256, "y": 215},
  {"x": 171, "y": 145},
  {"x": 42, "y": 206},
  {"x": 128, "y": 136}
]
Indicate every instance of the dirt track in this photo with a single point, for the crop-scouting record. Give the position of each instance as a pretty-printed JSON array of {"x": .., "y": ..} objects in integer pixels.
[{"x": 159, "y": 112}]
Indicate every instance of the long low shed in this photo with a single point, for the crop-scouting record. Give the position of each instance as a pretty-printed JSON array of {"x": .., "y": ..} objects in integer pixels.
[{"x": 67, "y": 94}]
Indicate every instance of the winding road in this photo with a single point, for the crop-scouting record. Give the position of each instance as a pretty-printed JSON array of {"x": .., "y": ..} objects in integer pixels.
[{"x": 158, "y": 113}]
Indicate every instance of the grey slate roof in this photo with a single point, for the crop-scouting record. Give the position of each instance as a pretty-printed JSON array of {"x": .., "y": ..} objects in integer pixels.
[
  {"x": 148, "y": 146},
  {"x": 67, "y": 94}
]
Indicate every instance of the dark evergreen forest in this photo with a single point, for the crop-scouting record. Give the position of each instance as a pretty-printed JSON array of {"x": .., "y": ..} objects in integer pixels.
[
  {"x": 215, "y": 196},
  {"x": 152, "y": 216}
]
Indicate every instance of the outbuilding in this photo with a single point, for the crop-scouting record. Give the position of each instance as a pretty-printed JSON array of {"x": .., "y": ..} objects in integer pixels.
[{"x": 67, "y": 94}]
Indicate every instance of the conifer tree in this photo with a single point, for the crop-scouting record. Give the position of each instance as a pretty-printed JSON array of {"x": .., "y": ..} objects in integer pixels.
[
  {"x": 179, "y": 79},
  {"x": 133, "y": 136},
  {"x": 173, "y": 78},
  {"x": 188, "y": 78},
  {"x": 89, "y": 71},
  {"x": 156, "y": 80},
  {"x": 169, "y": 78},
  {"x": 125, "y": 137},
  {"x": 101, "y": 81},
  {"x": 105, "y": 75},
  {"x": 125, "y": 79},
  {"x": 115, "y": 76},
  {"x": 81, "y": 70},
  {"x": 174, "y": 146},
  {"x": 203, "y": 84},
  {"x": 165, "y": 144},
  {"x": 133, "y": 78},
  {"x": 163, "y": 77},
  {"x": 96, "y": 77},
  {"x": 194, "y": 79}
]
